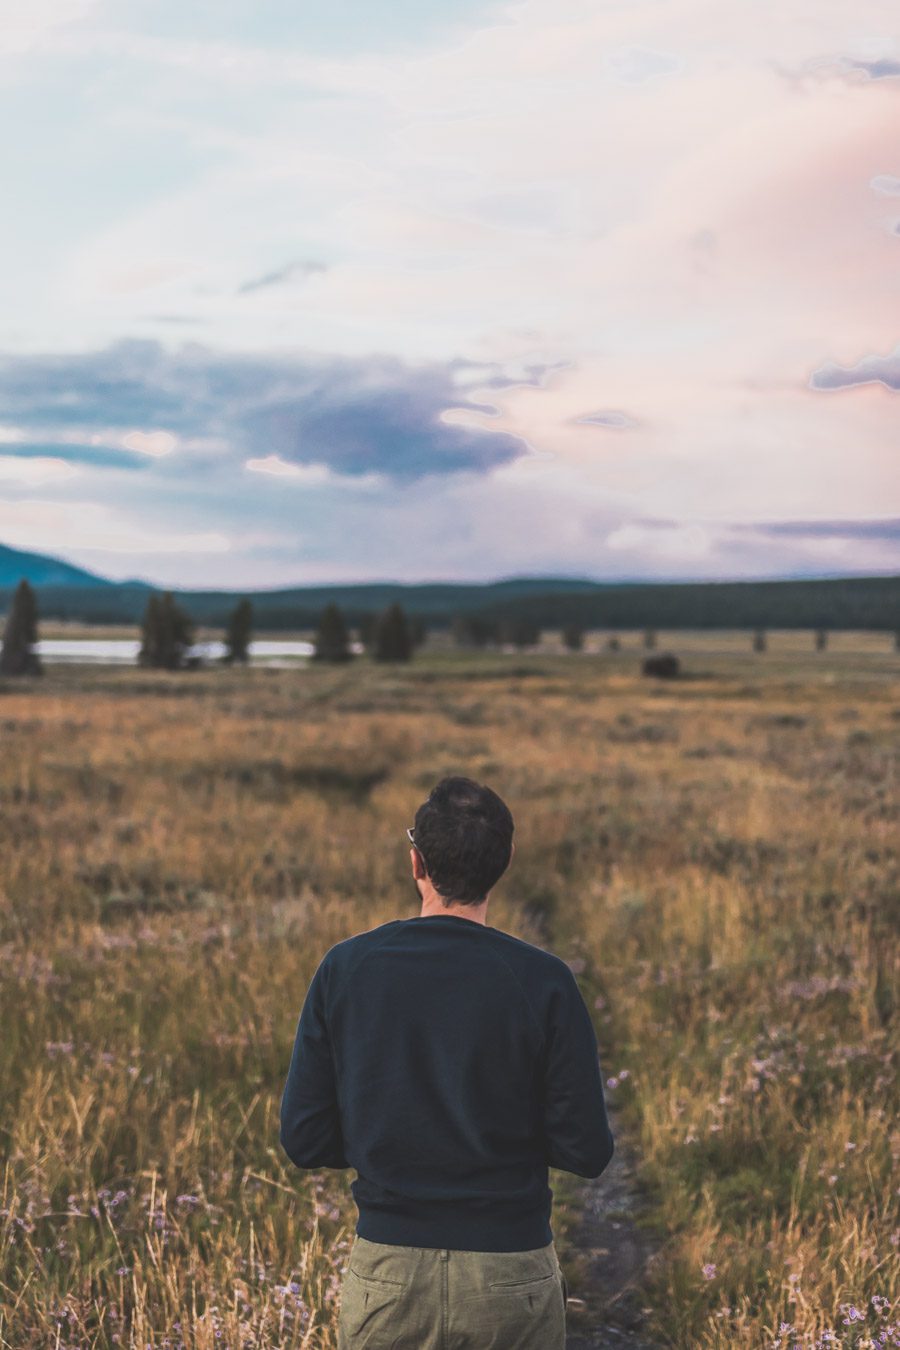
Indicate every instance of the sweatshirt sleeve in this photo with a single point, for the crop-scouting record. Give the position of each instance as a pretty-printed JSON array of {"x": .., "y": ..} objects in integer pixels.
[
  {"x": 576, "y": 1124},
  {"x": 310, "y": 1118}
]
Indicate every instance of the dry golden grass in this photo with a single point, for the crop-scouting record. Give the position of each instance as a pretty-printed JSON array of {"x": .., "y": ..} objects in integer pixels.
[{"x": 179, "y": 851}]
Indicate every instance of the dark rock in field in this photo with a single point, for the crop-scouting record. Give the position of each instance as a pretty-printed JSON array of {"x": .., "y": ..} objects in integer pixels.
[{"x": 666, "y": 666}]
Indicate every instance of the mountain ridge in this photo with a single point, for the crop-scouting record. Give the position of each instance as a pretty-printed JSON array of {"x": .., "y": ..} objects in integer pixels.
[{"x": 867, "y": 602}]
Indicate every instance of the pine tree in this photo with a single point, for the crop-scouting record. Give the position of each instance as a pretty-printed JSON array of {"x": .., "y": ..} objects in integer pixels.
[
  {"x": 19, "y": 653},
  {"x": 759, "y": 640},
  {"x": 821, "y": 639},
  {"x": 332, "y": 639},
  {"x": 471, "y": 630},
  {"x": 166, "y": 633},
  {"x": 237, "y": 635},
  {"x": 650, "y": 638},
  {"x": 573, "y": 637},
  {"x": 520, "y": 633},
  {"x": 150, "y": 633},
  {"x": 393, "y": 640}
]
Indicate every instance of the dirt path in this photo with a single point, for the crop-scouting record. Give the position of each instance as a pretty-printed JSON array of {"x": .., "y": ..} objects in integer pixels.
[{"x": 611, "y": 1252}]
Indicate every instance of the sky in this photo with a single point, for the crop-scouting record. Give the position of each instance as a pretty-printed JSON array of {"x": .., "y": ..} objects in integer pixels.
[{"x": 409, "y": 290}]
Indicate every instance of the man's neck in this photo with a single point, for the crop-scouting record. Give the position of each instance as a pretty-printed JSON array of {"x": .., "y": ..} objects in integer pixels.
[{"x": 433, "y": 904}]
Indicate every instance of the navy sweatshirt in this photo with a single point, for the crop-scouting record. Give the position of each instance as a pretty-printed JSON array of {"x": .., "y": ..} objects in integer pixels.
[{"x": 450, "y": 1064}]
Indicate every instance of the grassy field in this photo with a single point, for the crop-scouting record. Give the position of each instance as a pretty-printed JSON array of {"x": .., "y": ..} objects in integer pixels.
[{"x": 718, "y": 857}]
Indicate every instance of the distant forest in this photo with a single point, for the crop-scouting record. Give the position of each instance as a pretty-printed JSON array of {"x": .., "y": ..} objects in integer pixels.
[{"x": 848, "y": 603}]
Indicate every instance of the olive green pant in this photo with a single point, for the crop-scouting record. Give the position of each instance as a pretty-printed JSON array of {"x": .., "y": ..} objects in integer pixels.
[{"x": 436, "y": 1298}]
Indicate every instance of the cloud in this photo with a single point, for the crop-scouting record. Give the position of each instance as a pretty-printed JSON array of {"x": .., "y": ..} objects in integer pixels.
[
  {"x": 355, "y": 416},
  {"x": 869, "y": 370},
  {"x": 609, "y": 418},
  {"x": 34, "y": 470},
  {"x": 884, "y": 69},
  {"x": 545, "y": 228},
  {"x": 887, "y": 184},
  {"x": 646, "y": 540},
  {"x": 88, "y": 526},
  {"x": 311, "y": 475},
  {"x": 24, "y": 29},
  {"x": 293, "y": 270},
  {"x": 510, "y": 374},
  {"x": 827, "y": 529},
  {"x": 154, "y": 443},
  {"x": 279, "y": 468}
]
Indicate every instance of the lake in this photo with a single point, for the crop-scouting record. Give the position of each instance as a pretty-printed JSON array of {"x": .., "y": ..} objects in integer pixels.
[{"x": 124, "y": 651}]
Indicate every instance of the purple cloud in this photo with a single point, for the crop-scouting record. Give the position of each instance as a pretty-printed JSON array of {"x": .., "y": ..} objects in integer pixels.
[
  {"x": 884, "y": 69},
  {"x": 826, "y": 529},
  {"x": 870, "y": 370},
  {"x": 357, "y": 415}
]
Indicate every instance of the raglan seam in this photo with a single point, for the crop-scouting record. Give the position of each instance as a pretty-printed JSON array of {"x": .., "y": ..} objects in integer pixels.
[
  {"x": 542, "y": 1038},
  {"x": 366, "y": 954}
]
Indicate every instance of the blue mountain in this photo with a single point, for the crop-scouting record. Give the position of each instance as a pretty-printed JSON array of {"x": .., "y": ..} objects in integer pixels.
[{"x": 42, "y": 570}]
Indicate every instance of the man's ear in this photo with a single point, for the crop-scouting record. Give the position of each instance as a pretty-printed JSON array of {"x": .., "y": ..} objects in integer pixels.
[{"x": 418, "y": 865}]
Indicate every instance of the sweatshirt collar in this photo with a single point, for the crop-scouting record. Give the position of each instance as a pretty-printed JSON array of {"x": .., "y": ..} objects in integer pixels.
[{"x": 442, "y": 918}]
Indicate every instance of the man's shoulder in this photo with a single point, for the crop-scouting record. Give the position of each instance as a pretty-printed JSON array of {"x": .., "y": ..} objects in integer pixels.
[
  {"x": 357, "y": 945},
  {"x": 529, "y": 956}
]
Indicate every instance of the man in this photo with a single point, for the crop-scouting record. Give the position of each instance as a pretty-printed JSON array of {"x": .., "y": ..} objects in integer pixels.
[{"x": 451, "y": 1064}]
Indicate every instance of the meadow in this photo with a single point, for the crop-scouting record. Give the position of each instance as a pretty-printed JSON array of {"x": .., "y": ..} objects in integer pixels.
[{"x": 717, "y": 856}]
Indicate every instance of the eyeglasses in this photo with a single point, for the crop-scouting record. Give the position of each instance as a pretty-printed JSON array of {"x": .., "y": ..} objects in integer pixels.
[{"x": 410, "y": 837}]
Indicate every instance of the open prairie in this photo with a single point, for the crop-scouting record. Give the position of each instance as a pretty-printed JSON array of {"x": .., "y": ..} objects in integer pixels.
[{"x": 717, "y": 856}]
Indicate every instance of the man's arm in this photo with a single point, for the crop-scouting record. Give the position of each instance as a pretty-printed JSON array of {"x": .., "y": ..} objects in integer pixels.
[
  {"x": 310, "y": 1119},
  {"x": 576, "y": 1125}
]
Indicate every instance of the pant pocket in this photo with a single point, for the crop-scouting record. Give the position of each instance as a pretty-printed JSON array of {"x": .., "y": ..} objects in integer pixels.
[
  {"x": 528, "y": 1316},
  {"x": 368, "y": 1312},
  {"x": 534, "y": 1285}
]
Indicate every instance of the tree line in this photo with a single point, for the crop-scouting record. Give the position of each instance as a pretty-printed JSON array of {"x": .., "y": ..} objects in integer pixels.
[
  {"x": 838, "y": 604},
  {"x": 168, "y": 634}
]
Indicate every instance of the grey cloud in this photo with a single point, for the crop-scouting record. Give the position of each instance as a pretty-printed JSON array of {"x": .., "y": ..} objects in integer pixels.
[
  {"x": 99, "y": 456},
  {"x": 885, "y": 69},
  {"x": 492, "y": 375},
  {"x": 606, "y": 418},
  {"x": 299, "y": 269},
  {"x": 826, "y": 529},
  {"x": 888, "y": 529},
  {"x": 356, "y": 415},
  {"x": 886, "y": 183},
  {"x": 870, "y": 370}
]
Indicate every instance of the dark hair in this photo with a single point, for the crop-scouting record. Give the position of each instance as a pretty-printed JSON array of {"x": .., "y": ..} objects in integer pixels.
[{"x": 464, "y": 833}]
